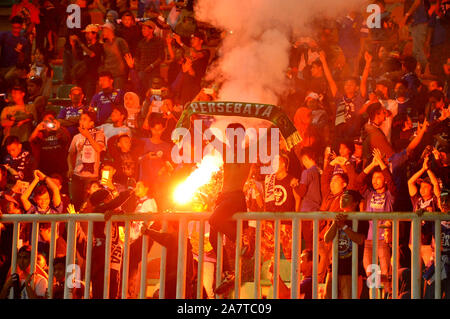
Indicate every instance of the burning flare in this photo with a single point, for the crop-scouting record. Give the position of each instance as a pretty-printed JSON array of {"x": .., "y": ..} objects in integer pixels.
[{"x": 209, "y": 165}]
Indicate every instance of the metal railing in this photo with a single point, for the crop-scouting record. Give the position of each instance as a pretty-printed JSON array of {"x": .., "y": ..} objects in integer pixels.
[{"x": 183, "y": 219}]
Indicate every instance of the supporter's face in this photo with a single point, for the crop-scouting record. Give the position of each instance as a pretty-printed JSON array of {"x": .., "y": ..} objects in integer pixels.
[
  {"x": 42, "y": 262},
  {"x": 382, "y": 89},
  {"x": 127, "y": 21},
  {"x": 344, "y": 150},
  {"x": 195, "y": 42},
  {"x": 45, "y": 234},
  {"x": 23, "y": 260},
  {"x": 90, "y": 36},
  {"x": 316, "y": 71},
  {"x": 43, "y": 201},
  {"x": 32, "y": 88},
  {"x": 59, "y": 272},
  {"x": 116, "y": 116},
  {"x": 85, "y": 121},
  {"x": 124, "y": 144},
  {"x": 141, "y": 190},
  {"x": 128, "y": 101},
  {"x": 146, "y": 31},
  {"x": 157, "y": 130},
  {"x": 14, "y": 149},
  {"x": 105, "y": 82},
  {"x": 337, "y": 185},
  {"x": 350, "y": 87},
  {"x": 382, "y": 53},
  {"x": 378, "y": 181},
  {"x": 312, "y": 103},
  {"x": 38, "y": 57},
  {"x": 447, "y": 67},
  {"x": 17, "y": 96},
  {"x": 425, "y": 190},
  {"x": 15, "y": 29},
  {"x": 76, "y": 97},
  {"x": 381, "y": 116},
  {"x": 305, "y": 264}
]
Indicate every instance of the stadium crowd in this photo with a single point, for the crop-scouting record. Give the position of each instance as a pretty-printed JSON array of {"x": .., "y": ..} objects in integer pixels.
[{"x": 87, "y": 115}]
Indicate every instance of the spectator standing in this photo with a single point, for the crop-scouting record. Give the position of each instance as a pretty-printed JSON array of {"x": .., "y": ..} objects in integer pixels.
[
  {"x": 84, "y": 157},
  {"x": 129, "y": 31},
  {"x": 35, "y": 97},
  {"x": 118, "y": 117},
  {"x": 69, "y": 116},
  {"x": 114, "y": 49},
  {"x": 103, "y": 101},
  {"x": 16, "y": 49}
]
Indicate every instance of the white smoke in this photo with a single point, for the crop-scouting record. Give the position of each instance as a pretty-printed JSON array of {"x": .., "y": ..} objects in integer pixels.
[{"x": 255, "y": 56}]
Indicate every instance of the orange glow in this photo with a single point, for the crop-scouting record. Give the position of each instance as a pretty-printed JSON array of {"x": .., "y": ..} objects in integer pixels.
[{"x": 209, "y": 165}]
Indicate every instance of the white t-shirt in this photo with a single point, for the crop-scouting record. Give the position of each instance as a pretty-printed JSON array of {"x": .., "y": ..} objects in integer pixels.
[
  {"x": 39, "y": 284},
  {"x": 386, "y": 127}
]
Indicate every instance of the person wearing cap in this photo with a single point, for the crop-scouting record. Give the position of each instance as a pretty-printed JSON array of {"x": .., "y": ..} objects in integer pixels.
[
  {"x": 196, "y": 60},
  {"x": 89, "y": 59},
  {"x": 149, "y": 55},
  {"x": 426, "y": 199},
  {"x": 69, "y": 116},
  {"x": 318, "y": 114},
  {"x": 114, "y": 49},
  {"x": 18, "y": 119}
]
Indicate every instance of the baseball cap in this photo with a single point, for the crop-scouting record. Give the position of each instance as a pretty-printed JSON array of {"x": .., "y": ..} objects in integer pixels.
[
  {"x": 109, "y": 25},
  {"x": 149, "y": 24},
  {"x": 76, "y": 88},
  {"x": 312, "y": 95},
  {"x": 91, "y": 28}
]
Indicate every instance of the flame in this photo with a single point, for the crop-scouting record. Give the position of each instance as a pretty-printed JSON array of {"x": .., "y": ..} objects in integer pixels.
[{"x": 209, "y": 165}]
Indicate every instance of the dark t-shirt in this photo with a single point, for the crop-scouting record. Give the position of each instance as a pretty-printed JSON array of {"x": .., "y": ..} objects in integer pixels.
[
  {"x": 284, "y": 200},
  {"x": 345, "y": 247},
  {"x": 312, "y": 199}
]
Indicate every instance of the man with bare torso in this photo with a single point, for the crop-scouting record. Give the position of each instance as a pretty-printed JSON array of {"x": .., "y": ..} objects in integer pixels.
[{"x": 230, "y": 201}]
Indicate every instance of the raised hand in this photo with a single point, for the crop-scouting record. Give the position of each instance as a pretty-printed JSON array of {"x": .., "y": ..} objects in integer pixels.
[
  {"x": 129, "y": 60},
  {"x": 368, "y": 57}
]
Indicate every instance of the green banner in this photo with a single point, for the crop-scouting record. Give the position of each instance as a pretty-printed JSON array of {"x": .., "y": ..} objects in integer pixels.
[{"x": 271, "y": 113}]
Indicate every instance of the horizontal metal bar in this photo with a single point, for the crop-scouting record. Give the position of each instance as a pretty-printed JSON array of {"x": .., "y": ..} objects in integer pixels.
[{"x": 10, "y": 218}]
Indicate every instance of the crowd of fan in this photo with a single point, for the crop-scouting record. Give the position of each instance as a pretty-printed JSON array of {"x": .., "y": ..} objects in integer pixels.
[{"x": 372, "y": 113}]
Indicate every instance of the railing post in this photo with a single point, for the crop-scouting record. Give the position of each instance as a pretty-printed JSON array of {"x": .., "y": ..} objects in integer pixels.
[
  {"x": 355, "y": 268},
  {"x": 70, "y": 257},
  {"x": 219, "y": 261},
  {"x": 295, "y": 269},
  {"x": 181, "y": 269},
  {"x": 162, "y": 269},
  {"x": 51, "y": 258},
  {"x": 257, "y": 277},
  {"x": 14, "y": 250},
  {"x": 201, "y": 245},
  {"x": 126, "y": 260},
  {"x": 375, "y": 252},
  {"x": 87, "y": 286},
  {"x": 237, "y": 263},
  {"x": 395, "y": 258},
  {"x": 315, "y": 258},
  {"x": 34, "y": 243},
  {"x": 107, "y": 260},
  {"x": 437, "y": 260},
  {"x": 415, "y": 273},
  {"x": 334, "y": 268},
  {"x": 276, "y": 259}
]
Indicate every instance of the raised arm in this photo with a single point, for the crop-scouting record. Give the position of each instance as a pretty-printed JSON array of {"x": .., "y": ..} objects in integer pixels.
[
  {"x": 328, "y": 75},
  {"x": 416, "y": 140},
  {"x": 434, "y": 182},
  {"x": 26, "y": 194},
  {"x": 412, "y": 181},
  {"x": 363, "y": 87}
]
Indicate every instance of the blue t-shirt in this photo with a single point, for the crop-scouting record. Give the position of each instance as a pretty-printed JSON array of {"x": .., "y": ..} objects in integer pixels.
[
  {"x": 149, "y": 168},
  {"x": 67, "y": 113},
  {"x": 104, "y": 103},
  {"x": 312, "y": 199}
]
